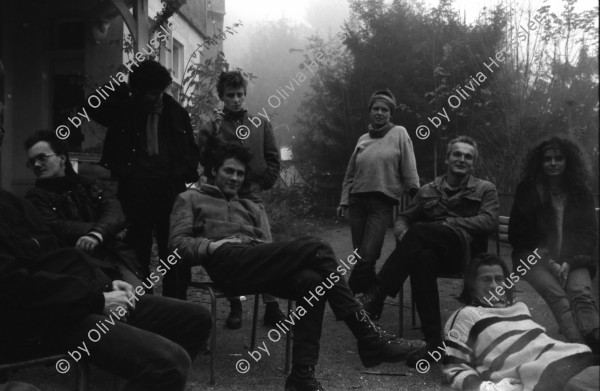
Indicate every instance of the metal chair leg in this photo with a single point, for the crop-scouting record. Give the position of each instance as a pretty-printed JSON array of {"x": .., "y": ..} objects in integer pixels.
[
  {"x": 288, "y": 341},
  {"x": 254, "y": 322},
  {"x": 213, "y": 339},
  {"x": 413, "y": 307},
  {"x": 83, "y": 376},
  {"x": 401, "y": 313}
]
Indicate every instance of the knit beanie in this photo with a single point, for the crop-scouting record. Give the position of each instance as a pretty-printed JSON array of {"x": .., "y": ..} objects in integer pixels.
[{"x": 384, "y": 96}]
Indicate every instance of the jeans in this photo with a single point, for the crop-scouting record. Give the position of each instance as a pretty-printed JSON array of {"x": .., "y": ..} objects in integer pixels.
[
  {"x": 147, "y": 203},
  {"x": 425, "y": 250},
  {"x": 573, "y": 307},
  {"x": 153, "y": 350},
  {"x": 291, "y": 270},
  {"x": 370, "y": 216}
]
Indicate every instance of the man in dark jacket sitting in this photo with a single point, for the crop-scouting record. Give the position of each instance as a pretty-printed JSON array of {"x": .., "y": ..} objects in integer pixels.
[
  {"x": 80, "y": 212},
  {"x": 449, "y": 219},
  {"x": 55, "y": 301},
  {"x": 212, "y": 227}
]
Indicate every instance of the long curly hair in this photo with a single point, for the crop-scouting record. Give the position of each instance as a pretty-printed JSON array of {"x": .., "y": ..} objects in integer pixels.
[{"x": 576, "y": 178}]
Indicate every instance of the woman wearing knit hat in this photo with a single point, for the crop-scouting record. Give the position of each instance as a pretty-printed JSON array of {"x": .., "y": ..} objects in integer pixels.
[{"x": 381, "y": 168}]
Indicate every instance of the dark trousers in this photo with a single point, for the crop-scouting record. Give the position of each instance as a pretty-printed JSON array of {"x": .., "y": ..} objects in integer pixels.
[
  {"x": 291, "y": 270},
  {"x": 370, "y": 216},
  {"x": 147, "y": 203},
  {"x": 425, "y": 250},
  {"x": 153, "y": 350}
]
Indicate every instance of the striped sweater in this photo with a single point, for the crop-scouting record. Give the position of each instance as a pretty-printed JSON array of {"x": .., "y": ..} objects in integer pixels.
[{"x": 497, "y": 343}]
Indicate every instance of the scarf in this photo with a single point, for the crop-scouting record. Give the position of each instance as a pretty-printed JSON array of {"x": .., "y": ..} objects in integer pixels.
[
  {"x": 154, "y": 114},
  {"x": 380, "y": 132}
]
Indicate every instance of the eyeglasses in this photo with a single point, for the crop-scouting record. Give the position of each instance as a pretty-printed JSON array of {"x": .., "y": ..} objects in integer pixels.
[{"x": 42, "y": 158}]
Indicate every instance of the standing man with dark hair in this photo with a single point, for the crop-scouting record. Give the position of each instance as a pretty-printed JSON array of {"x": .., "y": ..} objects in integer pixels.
[
  {"x": 230, "y": 125},
  {"x": 150, "y": 148},
  {"x": 450, "y": 219}
]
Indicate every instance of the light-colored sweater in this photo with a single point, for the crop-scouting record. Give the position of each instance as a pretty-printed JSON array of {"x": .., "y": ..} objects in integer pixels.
[
  {"x": 385, "y": 165},
  {"x": 497, "y": 343}
]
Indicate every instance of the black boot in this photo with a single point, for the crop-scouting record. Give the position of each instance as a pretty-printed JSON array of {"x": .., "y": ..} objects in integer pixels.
[
  {"x": 273, "y": 314},
  {"x": 302, "y": 378},
  {"x": 234, "y": 320},
  {"x": 372, "y": 300},
  {"x": 375, "y": 345}
]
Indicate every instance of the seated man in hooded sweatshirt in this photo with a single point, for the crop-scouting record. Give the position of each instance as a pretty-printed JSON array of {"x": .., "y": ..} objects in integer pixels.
[
  {"x": 212, "y": 227},
  {"x": 493, "y": 344}
]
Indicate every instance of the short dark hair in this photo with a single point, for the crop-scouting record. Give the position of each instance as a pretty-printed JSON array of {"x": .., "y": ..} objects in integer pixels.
[
  {"x": 149, "y": 75},
  {"x": 58, "y": 146},
  {"x": 217, "y": 151},
  {"x": 462, "y": 139},
  {"x": 483, "y": 259},
  {"x": 232, "y": 79}
]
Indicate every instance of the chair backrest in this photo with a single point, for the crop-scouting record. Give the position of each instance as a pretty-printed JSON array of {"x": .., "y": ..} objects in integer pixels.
[{"x": 502, "y": 232}]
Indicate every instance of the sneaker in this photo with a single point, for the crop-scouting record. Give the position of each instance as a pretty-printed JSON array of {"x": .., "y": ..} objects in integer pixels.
[
  {"x": 234, "y": 320},
  {"x": 302, "y": 378},
  {"x": 273, "y": 315},
  {"x": 375, "y": 345}
]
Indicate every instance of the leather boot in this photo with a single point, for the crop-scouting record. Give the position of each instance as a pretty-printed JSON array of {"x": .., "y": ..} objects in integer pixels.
[
  {"x": 234, "y": 320},
  {"x": 302, "y": 378},
  {"x": 372, "y": 300},
  {"x": 374, "y": 344}
]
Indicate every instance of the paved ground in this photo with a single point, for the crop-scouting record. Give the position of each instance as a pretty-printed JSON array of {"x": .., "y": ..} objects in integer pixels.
[{"x": 339, "y": 367}]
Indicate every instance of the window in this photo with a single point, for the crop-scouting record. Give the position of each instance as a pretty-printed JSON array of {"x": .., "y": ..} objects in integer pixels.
[{"x": 178, "y": 62}]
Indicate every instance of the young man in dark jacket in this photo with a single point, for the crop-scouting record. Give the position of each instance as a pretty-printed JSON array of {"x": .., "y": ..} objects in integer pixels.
[
  {"x": 213, "y": 227},
  {"x": 150, "y": 148},
  {"x": 233, "y": 124},
  {"x": 80, "y": 212},
  {"x": 56, "y": 301},
  {"x": 449, "y": 219}
]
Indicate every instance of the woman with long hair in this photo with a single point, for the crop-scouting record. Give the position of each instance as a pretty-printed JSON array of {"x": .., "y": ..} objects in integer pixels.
[
  {"x": 381, "y": 168},
  {"x": 554, "y": 215}
]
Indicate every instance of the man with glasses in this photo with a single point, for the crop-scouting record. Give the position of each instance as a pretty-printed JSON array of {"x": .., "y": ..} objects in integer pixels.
[{"x": 79, "y": 212}]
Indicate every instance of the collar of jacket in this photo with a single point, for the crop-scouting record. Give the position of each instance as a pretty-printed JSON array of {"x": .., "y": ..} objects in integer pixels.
[
  {"x": 60, "y": 185},
  {"x": 235, "y": 115},
  {"x": 439, "y": 183},
  {"x": 215, "y": 192}
]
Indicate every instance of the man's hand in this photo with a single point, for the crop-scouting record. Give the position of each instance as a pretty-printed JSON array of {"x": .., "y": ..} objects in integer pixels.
[
  {"x": 121, "y": 235},
  {"x": 87, "y": 243},
  {"x": 115, "y": 299},
  {"x": 341, "y": 211},
  {"x": 506, "y": 384},
  {"x": 212, "y": 246},
  {"x": 118, "y": 285},
  {"x": 563, "y": 273},
  {"x": 216, "y": 117},
  {"x": 399, "y": 235}
]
